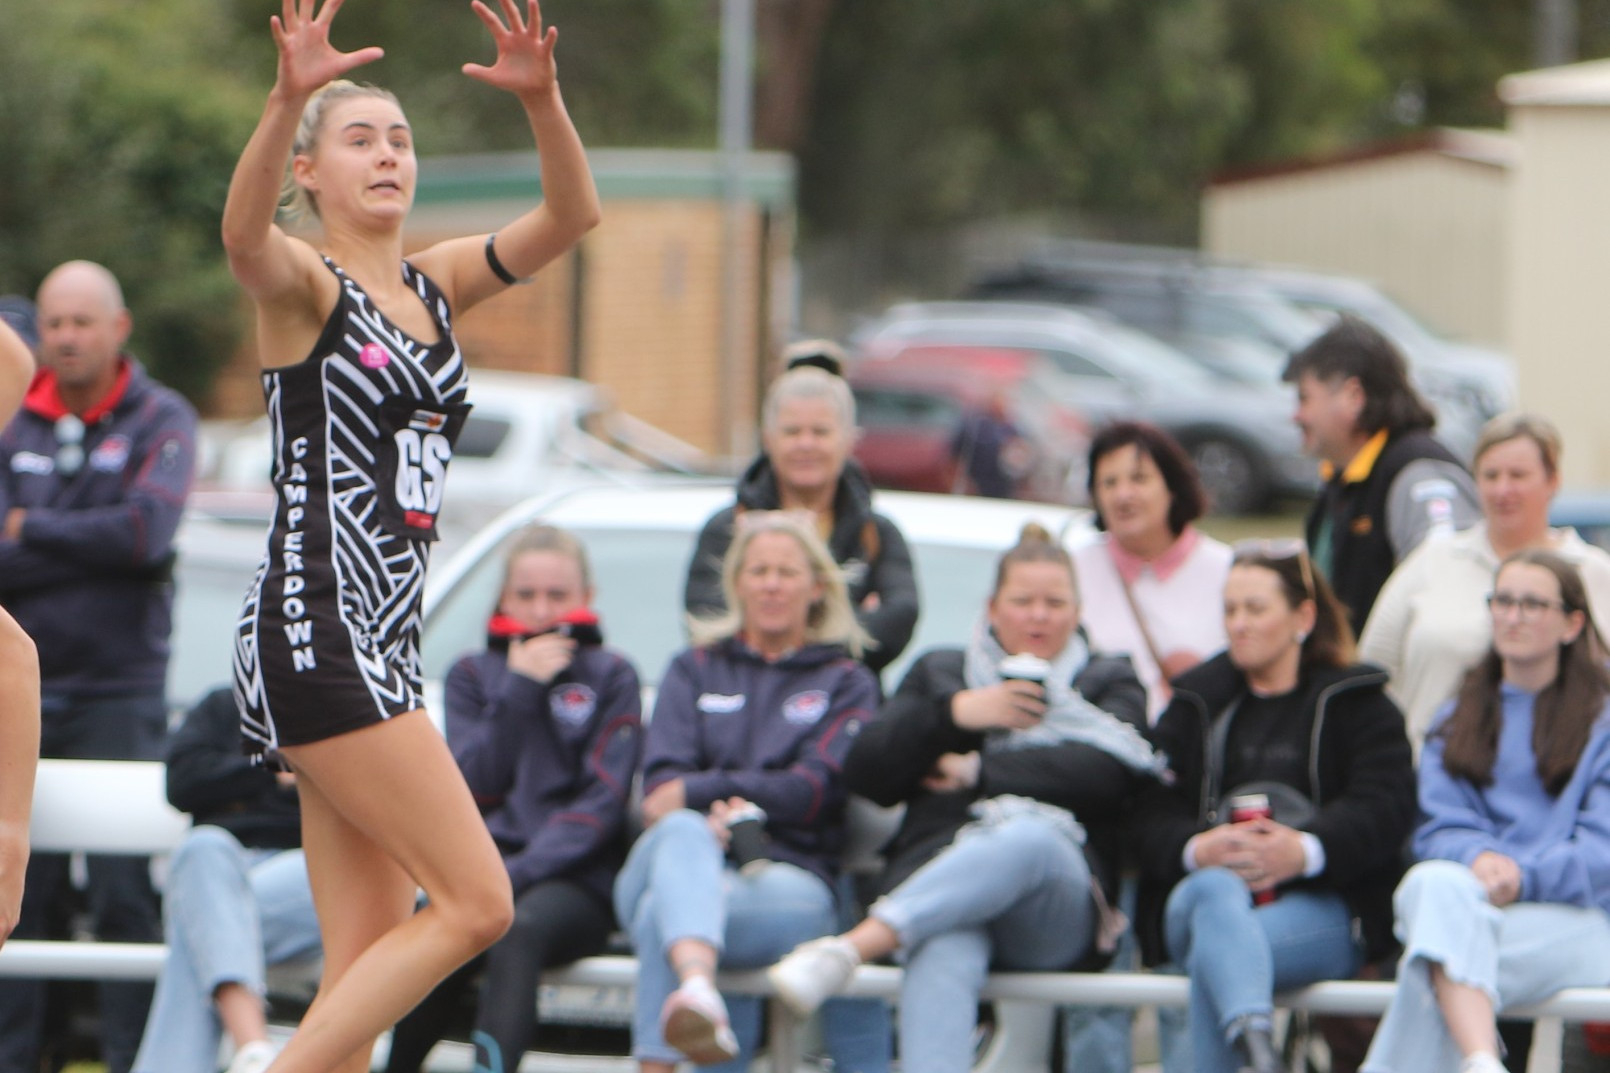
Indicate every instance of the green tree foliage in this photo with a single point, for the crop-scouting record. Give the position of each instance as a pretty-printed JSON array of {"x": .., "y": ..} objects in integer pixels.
[{"x": 118, "y": 128}]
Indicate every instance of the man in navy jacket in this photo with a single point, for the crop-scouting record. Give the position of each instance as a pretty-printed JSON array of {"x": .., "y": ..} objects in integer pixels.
[{"x": 93, "y": 476}]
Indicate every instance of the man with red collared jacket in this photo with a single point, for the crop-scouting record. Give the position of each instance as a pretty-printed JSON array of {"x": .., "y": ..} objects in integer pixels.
[{"x": 93, "y": 476}]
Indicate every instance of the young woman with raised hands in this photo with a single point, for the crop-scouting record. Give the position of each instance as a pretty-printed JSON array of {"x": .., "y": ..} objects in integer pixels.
[{"x": 366, "y": 394}]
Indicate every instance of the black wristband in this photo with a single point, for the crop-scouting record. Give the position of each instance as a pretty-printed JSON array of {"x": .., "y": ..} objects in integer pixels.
[{"x": 496, "y": 265}]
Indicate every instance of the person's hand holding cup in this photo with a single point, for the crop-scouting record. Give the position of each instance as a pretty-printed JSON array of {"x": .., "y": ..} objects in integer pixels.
[{"x": 1017, "y": 702}]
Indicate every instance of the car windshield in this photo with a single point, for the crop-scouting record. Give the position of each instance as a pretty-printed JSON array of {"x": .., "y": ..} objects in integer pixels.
[{"x": 639, "y": 574}]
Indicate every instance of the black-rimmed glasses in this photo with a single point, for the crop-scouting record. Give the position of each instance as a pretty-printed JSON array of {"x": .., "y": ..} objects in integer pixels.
[
  {"x": 69, "y": 431},
  {"x": 1277, "y": 550},
  {"x": 1527, "y": 607}
]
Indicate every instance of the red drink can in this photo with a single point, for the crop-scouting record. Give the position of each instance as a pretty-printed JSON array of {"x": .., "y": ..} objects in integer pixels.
[{"x": 1244, "y": 808}]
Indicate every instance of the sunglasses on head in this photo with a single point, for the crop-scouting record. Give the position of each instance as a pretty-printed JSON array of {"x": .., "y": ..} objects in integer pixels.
[
  {"x": 69, "y": 430},
  {"x": 1277, "y": 550}
]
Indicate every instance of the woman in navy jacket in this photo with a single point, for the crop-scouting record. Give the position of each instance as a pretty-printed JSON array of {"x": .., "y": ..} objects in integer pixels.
[
  {"x": 761, "y": 712},
  {"x": 545, "y": 724}
]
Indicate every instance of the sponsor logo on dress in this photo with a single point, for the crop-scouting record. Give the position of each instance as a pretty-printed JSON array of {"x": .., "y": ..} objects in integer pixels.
[
  {"x": 373, "y": 356},
  {"x": 805, "y": 709},
  {"x": 573, "y": 703},
  {"x": 110, "y": 455},
  {"x": 720, "y": 703}
]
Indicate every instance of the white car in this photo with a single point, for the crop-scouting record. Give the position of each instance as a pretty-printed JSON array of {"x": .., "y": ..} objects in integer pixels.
[{"x": 528, "y": 433}]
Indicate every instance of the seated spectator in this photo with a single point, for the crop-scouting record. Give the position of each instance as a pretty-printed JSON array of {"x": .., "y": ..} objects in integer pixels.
[
  {"x": 1014, "y": 757},
  {"x": 19, "y": 683},
  {"x": 237, "y": 898},
  {"x": 1278, "y": 836},
  {"x": 545, "y": 724},
  {"x": 1509, "y": 903},
  {"x": 758, "y": 715},
  {"x": 807, "y": 431},
  {"x": 1429, "y": 626}
]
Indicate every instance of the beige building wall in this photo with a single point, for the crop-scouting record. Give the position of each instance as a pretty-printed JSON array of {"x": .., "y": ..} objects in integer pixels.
[
  {"x": 1559, "y": 310},
  {"x": 1428, "y": 226}
]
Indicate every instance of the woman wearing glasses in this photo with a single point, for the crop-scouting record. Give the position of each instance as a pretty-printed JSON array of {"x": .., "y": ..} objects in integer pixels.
[
  {"x": 1509, "y": 902},
  {"x": 1428, "y": 627},
  {"x": 1278, "y": 839}
]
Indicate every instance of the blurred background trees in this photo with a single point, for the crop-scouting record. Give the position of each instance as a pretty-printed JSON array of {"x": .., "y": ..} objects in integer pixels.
[{"x": 119, "y": 122}]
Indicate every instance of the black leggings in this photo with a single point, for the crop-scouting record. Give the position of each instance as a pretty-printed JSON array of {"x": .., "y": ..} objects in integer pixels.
[{"x": 555, "y": 923}]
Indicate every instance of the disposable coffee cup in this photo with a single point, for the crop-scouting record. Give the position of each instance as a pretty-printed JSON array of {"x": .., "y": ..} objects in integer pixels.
[
  {"x": 747, "y": 846},
  {"x": 1025, "y": 668}
]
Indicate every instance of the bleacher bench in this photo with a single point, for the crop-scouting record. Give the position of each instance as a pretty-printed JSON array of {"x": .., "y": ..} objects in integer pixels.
[{"x": 100, "y": 806}]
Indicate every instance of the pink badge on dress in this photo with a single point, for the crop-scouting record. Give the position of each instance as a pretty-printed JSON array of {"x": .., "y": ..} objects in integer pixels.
[{"x": 374, "y": 356}]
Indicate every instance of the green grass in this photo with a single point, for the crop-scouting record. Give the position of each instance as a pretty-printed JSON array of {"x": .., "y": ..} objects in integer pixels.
[{"x": 1287, "y": 523}]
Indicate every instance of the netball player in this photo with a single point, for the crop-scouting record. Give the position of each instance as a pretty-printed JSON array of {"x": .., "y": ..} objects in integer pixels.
[
  {"x": 366, "y": 393},
  {"x": 19, "y": 684}
]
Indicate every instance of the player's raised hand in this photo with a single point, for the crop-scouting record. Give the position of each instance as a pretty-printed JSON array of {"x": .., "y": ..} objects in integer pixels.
[
  {"x": 524, "y": 64},
  {"x": 307, "y": 60}
]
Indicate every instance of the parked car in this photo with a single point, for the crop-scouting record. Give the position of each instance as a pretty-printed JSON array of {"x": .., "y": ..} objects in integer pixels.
[
  {"x": 911, "y": 406},
  {"x": 528, "y": 433},
  {"x": 1226, "y": 315},
  {"x": 1239, "y": 434}
]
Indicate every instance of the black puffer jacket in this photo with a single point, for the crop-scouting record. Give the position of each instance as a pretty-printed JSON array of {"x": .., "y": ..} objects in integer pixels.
[
  {"x": 1360, "y": 778},
  {"x": 866, "y": 545},
  {"x": 914, "y": 728}
]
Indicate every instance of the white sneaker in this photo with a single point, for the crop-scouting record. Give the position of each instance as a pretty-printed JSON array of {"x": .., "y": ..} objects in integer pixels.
[
  {"x": 694, "y": 1021},
  {"x": 813, "y": 972},
  {"x": 253, "y": 1057},
  {"x": 1482, "y": 1062}
]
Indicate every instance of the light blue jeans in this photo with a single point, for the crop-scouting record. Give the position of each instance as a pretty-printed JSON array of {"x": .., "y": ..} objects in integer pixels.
[
  {"x": 1015, "y": 896},
  {"x": 1100, "y": 1039},
  {"x": 676, "y": 884},
  {"x": 1238, "y": 955},
  {"x": 1520, "y": 954},
  {"x": 229, "y": 912}
]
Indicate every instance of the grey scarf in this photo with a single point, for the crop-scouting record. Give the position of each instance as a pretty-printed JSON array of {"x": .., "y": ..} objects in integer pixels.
[{"x": 1069, "y": 716}]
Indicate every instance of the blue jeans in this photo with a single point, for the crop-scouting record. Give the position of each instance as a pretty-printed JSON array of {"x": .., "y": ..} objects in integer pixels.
[
  {"x": 1520, "y": 954},
  {"x": 1238, "y": 955},
  {"x": 676, "y": 885},
  {"x": 1100, "y": 1039},
  {"x": 229, "y": 912},
  {"x": 1015, "y": 896}
]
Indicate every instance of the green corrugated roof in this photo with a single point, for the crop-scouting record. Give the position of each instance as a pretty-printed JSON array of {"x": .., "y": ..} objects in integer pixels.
[{"x": 686, "y": 174}]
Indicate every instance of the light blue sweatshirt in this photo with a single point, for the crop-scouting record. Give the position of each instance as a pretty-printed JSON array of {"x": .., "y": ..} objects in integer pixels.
[{"x": 1562, "y": 844}]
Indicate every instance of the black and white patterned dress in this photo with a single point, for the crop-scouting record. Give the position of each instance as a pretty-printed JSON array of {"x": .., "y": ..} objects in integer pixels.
[{"x": 363, "y": 430}]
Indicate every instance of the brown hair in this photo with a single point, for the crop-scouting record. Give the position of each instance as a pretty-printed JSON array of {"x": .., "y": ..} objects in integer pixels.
[
  {"x": 1565, "y": 711},
  {"x": 1354, "y": 348},
  {"x": 1187, "y": 501},
  {"x": 1035, "y": 544},
  {"x": 1330, "y": 643}
]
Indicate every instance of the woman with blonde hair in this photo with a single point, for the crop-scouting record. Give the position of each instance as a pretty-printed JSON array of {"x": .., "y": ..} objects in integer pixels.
[
  {"x": 366, "y": 393},
  {"x": 1428, "y": 625},
  {"x": 751, "y": 723}
]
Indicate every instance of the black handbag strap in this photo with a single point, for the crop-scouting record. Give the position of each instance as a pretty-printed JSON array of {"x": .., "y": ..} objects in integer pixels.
[{"x": 1213, "y": 761}]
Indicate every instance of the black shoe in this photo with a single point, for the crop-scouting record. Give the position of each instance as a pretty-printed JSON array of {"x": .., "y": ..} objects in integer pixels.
[{"x": 1259, "y": 1049}]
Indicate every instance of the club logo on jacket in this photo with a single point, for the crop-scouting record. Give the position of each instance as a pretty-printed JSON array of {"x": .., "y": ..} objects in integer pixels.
[
  {"x": 573, "y": 703},
  {"x": 110, "y": 455},
  {"x": 720, "y": 703},
  {"x": 805, "y": 709}
]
